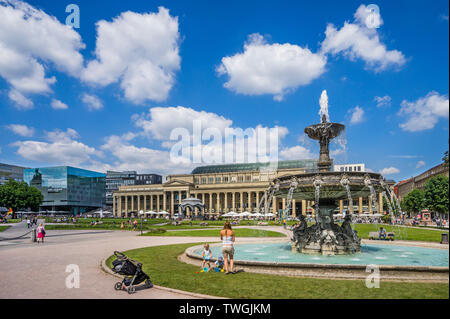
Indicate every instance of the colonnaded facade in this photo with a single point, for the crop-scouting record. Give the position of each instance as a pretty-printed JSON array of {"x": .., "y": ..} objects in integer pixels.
[{"x": 222, "y": 189}]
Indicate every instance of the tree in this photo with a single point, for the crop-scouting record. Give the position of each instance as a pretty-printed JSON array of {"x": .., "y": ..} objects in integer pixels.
[
  {"x": 445, "y": 158},
  {"x": 414, "y": 201},
  {"x": 18, "y": 195},
  {"x": 436, "y": 194}
]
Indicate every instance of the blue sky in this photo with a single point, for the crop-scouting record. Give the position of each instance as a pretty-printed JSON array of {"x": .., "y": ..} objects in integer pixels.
[{"x": 229, "y": 64}]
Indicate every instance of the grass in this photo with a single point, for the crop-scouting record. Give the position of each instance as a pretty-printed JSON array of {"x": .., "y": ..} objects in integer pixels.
[
  {"x": 401, "y": 233},
  {"x": 161, "y": 264},
  {"x": 2, "y": 228},
  {"x": 239, "y": 232}
]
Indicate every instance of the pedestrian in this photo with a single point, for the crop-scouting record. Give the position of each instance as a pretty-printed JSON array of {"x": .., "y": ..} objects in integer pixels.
[
  {"x": 122, "y": 226},
  {"x": 228, "y": 238},
  {"x": 135, "y": 224},
  {"x": 40, "y": 233},
  {"x": 28, "y": 222}
]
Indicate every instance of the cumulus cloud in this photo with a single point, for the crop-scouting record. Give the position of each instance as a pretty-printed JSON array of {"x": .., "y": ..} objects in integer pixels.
[
  {"x": 160, "y": 121},
  {"x": 274, "y": 69},
  {"x": 420, "y": 164},
  {"x": 360, "y": 40},
  {"x": 32, "y": 42},
  {"x": 357, "y": 115},
  {"x": 424, "y": 113},
  {"x": 389, "y": 171},
  {"x": 92, "y": 102},
  {"x": 61, "y": 148},
  {"x": 141, "y": 51},
  {"x": 21, "y": 130},
  {"x": 383, "y": 100},
  {"x": 295, "y": 152},
  {"x": 58, "y": 105},
  {"x": 21, "y": 102}
]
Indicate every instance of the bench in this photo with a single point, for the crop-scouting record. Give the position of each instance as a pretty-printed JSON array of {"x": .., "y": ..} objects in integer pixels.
[{"x": 376, "y": 235}]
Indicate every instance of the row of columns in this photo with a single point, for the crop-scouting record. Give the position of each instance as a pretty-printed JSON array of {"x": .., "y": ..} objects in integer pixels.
[{"x": 217, "y": 202}]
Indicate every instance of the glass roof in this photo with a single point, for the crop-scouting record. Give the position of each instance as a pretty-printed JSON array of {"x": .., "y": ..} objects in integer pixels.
[{"x": 308, "y": 164}]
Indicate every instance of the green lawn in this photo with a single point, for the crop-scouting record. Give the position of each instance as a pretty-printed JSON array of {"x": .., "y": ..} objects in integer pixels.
[
  {"x": 161, "y": 264},
  {"x": 2, "y": 228},
  {"x": 239, "y": 232},
  {"x": 401, "y": 233}
]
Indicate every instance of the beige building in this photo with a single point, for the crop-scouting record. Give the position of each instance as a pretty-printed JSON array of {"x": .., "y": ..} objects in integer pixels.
[
  {"x": 222, "y": 189},
  {"x": 406, "y": 186}
]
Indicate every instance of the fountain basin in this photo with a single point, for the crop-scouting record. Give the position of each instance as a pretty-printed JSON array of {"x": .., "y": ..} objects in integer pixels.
[{"x": 396, "y": 262}]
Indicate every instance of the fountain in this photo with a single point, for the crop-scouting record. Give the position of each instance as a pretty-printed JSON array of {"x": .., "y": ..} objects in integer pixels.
[{"x": 326, "y": 188}]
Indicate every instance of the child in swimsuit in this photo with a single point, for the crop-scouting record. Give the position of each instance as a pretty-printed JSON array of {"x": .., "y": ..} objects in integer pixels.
[{"x": 206, "y": 254}]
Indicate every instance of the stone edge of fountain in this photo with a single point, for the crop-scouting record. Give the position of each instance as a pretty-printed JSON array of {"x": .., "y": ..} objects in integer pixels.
[{"x": 343, "y": 271}]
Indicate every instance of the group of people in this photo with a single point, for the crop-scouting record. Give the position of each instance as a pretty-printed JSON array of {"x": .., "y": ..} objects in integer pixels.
[
  {"x": 225, "y": 261},
  {"x": 31, "y": 221}
]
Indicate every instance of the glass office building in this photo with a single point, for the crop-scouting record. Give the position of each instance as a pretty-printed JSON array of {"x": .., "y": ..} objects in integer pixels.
[
  {"x": 68, "y": 188},
  {"x": 8, "y": 172}
]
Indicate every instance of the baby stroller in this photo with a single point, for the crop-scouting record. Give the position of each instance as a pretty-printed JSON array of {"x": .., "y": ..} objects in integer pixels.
[{"x": 132, "y": 271}]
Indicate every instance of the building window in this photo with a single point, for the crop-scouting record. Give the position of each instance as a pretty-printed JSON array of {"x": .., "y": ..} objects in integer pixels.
[
  {"x": 203, "y": 180},
  {"x": 342, "y": 169},
  {"x": 225, "y": 179},
  {"x": 256, "y": 178},
  {"x": 350, "y": 169},
  {"x": 218, "y": 180},
  {"x": 359, "y": 168},
  {"x": 248, "y": 178},
  {"x": 210, "y": 180},
  {"x": 196, "y": 180},
  {"x": 240, "y": 179}
]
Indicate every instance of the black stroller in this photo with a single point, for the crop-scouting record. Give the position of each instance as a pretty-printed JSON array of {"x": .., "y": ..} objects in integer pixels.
[{"x": 132, "y": 271}]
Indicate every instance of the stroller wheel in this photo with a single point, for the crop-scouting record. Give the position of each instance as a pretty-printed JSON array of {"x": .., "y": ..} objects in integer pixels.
[
  {"x": 149, "y": 283},
  {"x": 118, "y": 286},
  {"x": 131, "y": 290}
]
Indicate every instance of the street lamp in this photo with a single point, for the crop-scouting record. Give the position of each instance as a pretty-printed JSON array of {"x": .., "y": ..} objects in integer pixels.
[{"x": 142, "y": 214}]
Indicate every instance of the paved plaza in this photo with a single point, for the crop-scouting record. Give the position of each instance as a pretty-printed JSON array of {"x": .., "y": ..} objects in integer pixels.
[{"x": 31, "y": 270}]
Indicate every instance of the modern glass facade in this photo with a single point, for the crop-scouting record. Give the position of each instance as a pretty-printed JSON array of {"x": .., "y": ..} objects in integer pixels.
[
  {"x": 68, "y": 188},
  {"x": 8, "y": 172},
  {"x": 116, "y": 179}
]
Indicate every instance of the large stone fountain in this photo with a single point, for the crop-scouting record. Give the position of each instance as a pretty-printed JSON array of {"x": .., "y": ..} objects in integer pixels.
[{"x": 326, "y": 188}]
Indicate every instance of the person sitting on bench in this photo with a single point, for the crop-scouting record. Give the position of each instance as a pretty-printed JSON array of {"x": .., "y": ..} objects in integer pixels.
[{"x": 382, "y": 233}]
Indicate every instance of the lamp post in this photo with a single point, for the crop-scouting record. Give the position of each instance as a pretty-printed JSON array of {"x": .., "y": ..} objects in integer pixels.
[{"x": 141, "y": 213}]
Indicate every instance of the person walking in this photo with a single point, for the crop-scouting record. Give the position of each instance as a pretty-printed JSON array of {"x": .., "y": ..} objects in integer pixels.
[
  {"x": 40, "y": 233},
  {"x": 28, "y": 222},
  {"x": 228, "y": 238}
]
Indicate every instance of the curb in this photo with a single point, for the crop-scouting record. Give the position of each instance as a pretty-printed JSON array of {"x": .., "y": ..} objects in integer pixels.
[{"x": 106, "y": 269}]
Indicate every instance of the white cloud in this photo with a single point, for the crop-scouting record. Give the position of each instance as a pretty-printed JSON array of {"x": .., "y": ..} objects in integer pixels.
[
  {"x": 389, "y": 171},
  {"x": 424, "y": 113},
  {"x": 21, "y": 130},
  {"x": 420, "y": 164},
  {"x": 383, "y": 100},
  {"x": 357, "y": 115},
  {"x": 162, "y": 120},
  {"x": 58, "y": 105},
  {"x": 139, "y": 50},
  {"x": 295, "y": 152},
  {"x": 21, "y": 102},
  {"x": 274, "y": 69},
  {"x": 31, "y": 42},
  {"x": 62, "y": 149},
  {"x": 358, "y": 41},
  {"x": 93, "y": 102}
]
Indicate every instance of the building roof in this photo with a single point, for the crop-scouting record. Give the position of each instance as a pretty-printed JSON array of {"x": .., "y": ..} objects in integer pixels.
[{"x": 308, "y": 165}]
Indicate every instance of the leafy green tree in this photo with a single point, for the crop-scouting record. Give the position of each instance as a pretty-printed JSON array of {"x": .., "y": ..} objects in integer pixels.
[
  {"x": 445, "y": 158},
  {"x": 414, "y": 201},
  {"x": 18, "y": 195},
  {"x": 436, "y": 194}
]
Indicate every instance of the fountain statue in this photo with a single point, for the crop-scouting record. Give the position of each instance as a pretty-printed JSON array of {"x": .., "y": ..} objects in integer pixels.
[{"x": 326, "y": 188}]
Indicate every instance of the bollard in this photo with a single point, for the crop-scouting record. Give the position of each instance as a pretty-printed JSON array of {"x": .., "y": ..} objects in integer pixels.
[{"x": 33, "y": 235}]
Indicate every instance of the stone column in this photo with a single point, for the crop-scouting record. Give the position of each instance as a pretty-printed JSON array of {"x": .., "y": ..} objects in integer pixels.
[
  {"x": 226, "y": 202},
  {"x": 119, "y": 214},
  {"x": 151, "y": 202},
  {"x": 132, "y": 203},
  {"x": 360, "y": 201},
  {"x": 233, "y": 204},
  {"x": 172, "y": 207},
  {"x": 164, "y": 201},
  {"x": 126, "y": 205},
  {"x": 157, "y": 203},
  {"x": 249, "y": 201},
  {"x": 210, "y": 203},
  {"x": 179, "y": 201},
  {"x": 217, "y": 203},
  {"x": 380, "y": 203},
  {"x": 303, "y": 207},
  {"x": 293, "y": 209},
  {"x": 257, "y": 200},
  {"x": 241, "y": 200},
  {"x": 138, "y": 203},
  {"x": 274, "y": 205}
]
